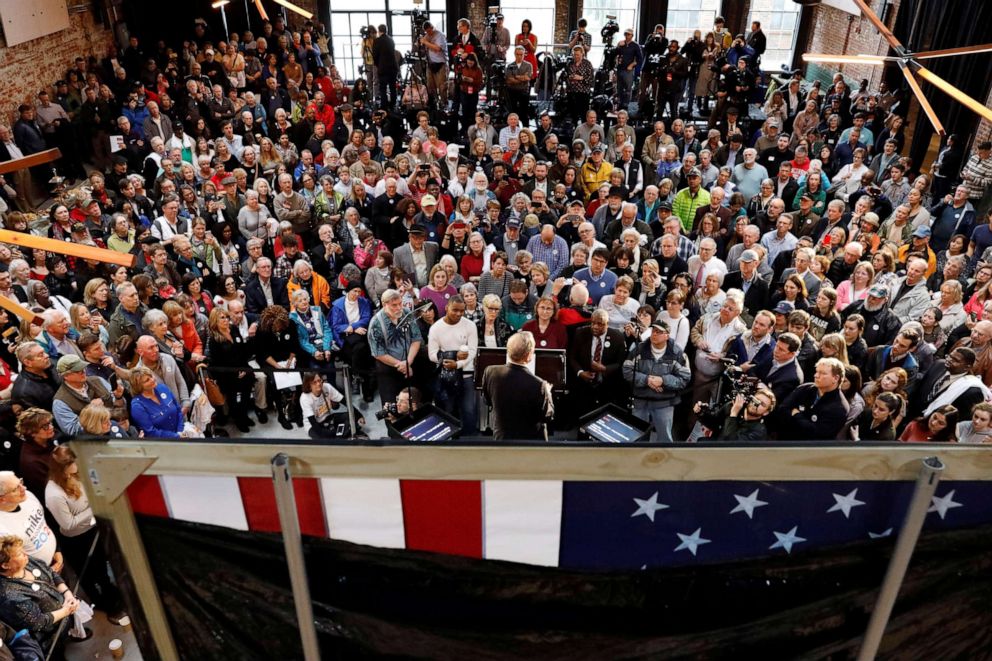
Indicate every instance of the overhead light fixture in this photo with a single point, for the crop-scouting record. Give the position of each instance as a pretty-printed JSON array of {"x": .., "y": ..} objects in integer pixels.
[
  {"x": 220, "y": 3},
  {"x": 846, "y": 59},
  {"x": 261, "y": 10},
  {"x": 299, "y": 10}
]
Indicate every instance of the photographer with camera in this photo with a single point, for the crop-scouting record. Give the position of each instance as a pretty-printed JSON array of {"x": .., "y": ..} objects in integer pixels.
[
  {"x": 658, "y": 372},
  {"x": 496, "y": 39},
  {"x": 744, "y": 417},
  {"x": 518, "y": 76},
  {"x": 580, "y": 37},
  {"x": 407, "y": 401}
]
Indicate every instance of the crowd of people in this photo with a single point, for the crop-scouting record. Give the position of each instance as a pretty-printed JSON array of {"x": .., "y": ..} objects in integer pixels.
[{"x": 798, "y": 279}]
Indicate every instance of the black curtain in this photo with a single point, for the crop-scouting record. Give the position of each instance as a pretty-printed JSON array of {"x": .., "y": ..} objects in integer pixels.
[
  {"x": 928, "y": 25},
  {"x": 227, "y": 596},
  {"x": 652, "y": 13},
  {"x": 172, "y": 22}
]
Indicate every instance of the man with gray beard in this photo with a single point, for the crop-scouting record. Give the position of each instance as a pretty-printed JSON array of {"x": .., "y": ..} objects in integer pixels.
[{"x": 881, "y": 325}]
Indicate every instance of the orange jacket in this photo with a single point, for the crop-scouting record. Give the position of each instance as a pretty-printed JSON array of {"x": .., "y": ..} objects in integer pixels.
[{"x": 320, "y": 291}]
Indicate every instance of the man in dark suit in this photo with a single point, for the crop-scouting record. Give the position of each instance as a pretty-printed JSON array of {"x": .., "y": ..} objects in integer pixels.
[
  {"x": 755, "y": 288},
  {"x": 265, "y": 289},
  {"x": 949, "y": 381},
  {"x": 595, "y": 360},
  {"x": 782, "y": 373},
  {"x": 814, "y": 411},
  {"x": 521, "y": 402}
]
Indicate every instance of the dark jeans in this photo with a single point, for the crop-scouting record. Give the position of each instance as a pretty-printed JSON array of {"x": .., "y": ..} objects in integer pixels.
[
  {"x": 577, "y": 105},
  {"x": 518, "y": 101},
  {"x": 96, "y": 582},
  {"x": 387, "y": 89},
  {"x": 356, "y": 351},
  {"x": 468, "y": 103}
]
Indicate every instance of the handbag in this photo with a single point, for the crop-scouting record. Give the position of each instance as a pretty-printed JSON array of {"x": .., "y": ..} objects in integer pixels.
[{"x": 214, "y": 394}]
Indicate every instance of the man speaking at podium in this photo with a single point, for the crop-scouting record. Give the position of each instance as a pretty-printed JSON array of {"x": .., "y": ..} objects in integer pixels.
[{"x": 521, "y": 402}]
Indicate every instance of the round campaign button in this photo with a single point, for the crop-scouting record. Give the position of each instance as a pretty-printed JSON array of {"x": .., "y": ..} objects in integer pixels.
[
  {"x": 286, "y": 336},
  {"x": 163, "y": 395},
  {"x": 447, "y": 296},
  {"x": 36, "y": 572},
  {"x": 238, "y": 339},
  {"x": 813, "y": 417},
  {"x": 606, "y": 344},
  {"x": 35, "y": 587},
  {"x": 603, "y": 285},
  {"x": 544, "y": 343},
  {"x": 875, "y": 327}
]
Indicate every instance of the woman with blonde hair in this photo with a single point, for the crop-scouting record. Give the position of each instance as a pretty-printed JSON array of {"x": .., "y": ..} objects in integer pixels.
[
  {"x": 856, "y": 287},
  {"x": 97, "y": 296},
  {"x": 833, "y": 345}
]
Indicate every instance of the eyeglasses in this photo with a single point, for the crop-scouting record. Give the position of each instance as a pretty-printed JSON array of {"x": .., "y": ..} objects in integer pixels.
[{"x": 18, "y": 487}]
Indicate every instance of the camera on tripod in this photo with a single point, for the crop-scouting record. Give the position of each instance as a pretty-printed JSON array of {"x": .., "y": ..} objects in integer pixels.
[
  {"x": 497, "y": 72},
  {"x": 365, "y": 31},
  {"x": 418, "y": 18},
  {"x": 492, "y": 18},
  {"x": 610, "y": 29}
]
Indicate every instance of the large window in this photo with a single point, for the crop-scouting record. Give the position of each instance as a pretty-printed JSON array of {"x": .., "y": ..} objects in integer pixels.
[
  {"x": 596, "y": 11},
  {"x": 349, "y": 16},
  {"x": 542, "y": 17},
  {"x": 687, "y": 16},
  {"x": 779, "y": 21}
]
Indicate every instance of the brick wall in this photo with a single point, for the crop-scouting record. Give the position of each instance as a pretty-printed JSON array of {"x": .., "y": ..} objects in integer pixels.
[
  {"x": 477, "y": 14},
  {"x": 836, "y": 32},
  {"x": 26, "y": 68}
]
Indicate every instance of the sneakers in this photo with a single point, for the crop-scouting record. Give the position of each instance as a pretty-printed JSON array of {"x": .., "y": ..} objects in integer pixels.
[{"x": 262, "y": 416}]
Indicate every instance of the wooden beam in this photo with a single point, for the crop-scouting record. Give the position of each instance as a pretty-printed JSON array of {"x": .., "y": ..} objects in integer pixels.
[
  {"x": 39, "y": 158},
  {"x": 16, "y": 308},
  {"x": 772, "y": 461},
  {"x": 31, "y": 241}
]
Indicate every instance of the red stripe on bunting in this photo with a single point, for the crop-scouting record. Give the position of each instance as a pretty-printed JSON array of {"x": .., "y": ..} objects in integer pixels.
[
  {"x": 444, "y": 516},
  {"x": 259, "y": 498},
  {"x": 146, "y": 497}
]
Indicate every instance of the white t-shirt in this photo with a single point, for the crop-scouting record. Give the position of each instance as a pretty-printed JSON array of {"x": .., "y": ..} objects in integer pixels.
[
  {"x": 28, "y": 523},
  {"x": 319, "y": 406}
]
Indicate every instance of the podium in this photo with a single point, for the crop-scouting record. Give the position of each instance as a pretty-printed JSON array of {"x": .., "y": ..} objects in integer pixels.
[
  {"x": 428, "y": 423},
  {"x": 549, "y": 364}
]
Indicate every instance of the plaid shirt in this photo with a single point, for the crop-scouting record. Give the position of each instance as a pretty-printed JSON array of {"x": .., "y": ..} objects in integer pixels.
[
  {"x": 980, "y": 173},
  {"x": 556, "y": 255}
]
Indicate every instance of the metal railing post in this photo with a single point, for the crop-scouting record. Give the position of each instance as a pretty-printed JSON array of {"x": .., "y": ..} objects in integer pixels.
[
  {"x": 926, "y": 485},
  {"x": 286, "y": 505},
  {"x": 352, "y": 422}
]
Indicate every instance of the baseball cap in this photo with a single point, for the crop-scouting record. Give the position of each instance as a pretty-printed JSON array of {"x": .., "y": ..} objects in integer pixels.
[
  {"x": 878, "y": 291},
  {"x": 598, "y": 149},
  {"x": 748, "y": 256},
  {"x": 428, "y": 201},
  {"x": 784, "y": 307},
  {"x": 78, "y": 228},
  {"x": 70, "y": 363},
  {"x": 774, "y": 123},
  {"x": 922, "y": 232},
  {"x": 576, "y": 203},
  {"x": 660, "y": 325},
  {"x": 694, "y": 172},
  {"x": 513, "y": 222},
  {"x": 665, "y": 206},
  {"x": 452, "y": 151}
]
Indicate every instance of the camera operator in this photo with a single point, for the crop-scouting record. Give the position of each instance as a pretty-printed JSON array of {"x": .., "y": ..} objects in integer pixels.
[
  {"x": 580, "y": 78},
  {"x": 654, "y": 49},
  {"x": 744, "y": 418},
  {"x": 495, "y": 40},
  {"x": 384, "y": 56},
  {"x": 672, "y": 73},
  {"x": 437, "y": 63},
  {"x": 579, "y": 37},
  {"x": 658, "y": 371},
  {"x": 518, "y": 75},
  {"x": 629, "y": 56},
  {"x": 407, "y": 401}
]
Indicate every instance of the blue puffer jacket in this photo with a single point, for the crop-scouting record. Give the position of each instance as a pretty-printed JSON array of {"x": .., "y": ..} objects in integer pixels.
[{"x": 672, "y": 367}]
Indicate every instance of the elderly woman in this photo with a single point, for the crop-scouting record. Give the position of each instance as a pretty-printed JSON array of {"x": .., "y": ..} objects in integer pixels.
[
  {"x": 156, "y": 324},
  {"x": 377, "y": 277},
  {"x": 276, "y": 346},
  {"x": 154, "y": 409},
  {"x": 493, "y": 329},
  {"x": 473, "y": 308},
  {"x": 350, "y": 317},
  {"x": 226, "y": 351},
  {"x": 314, "y": 284},
  {"x": 948, "y": 301},
  {"x": 476, "y": 261},
  {"x": 619, "y": 305},
  {"x": 856, "y": 287},
  {"x": 314, "y": 332},
  {"x": 32, "y": 595},
  {"x": 450, "y": 264},
  {"x": 254, "y": 219}
]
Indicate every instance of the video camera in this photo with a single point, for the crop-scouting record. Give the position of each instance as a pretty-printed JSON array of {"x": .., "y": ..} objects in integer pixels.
[
  {"x": 418, "y": 18},
  {"x": 740, "y": 384},
  {"x": 365, "y": 31},
  {"x": 492, "y": 18},
  {"x": 610, "y": 29},
  {"x": 388, "y": 409}
]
